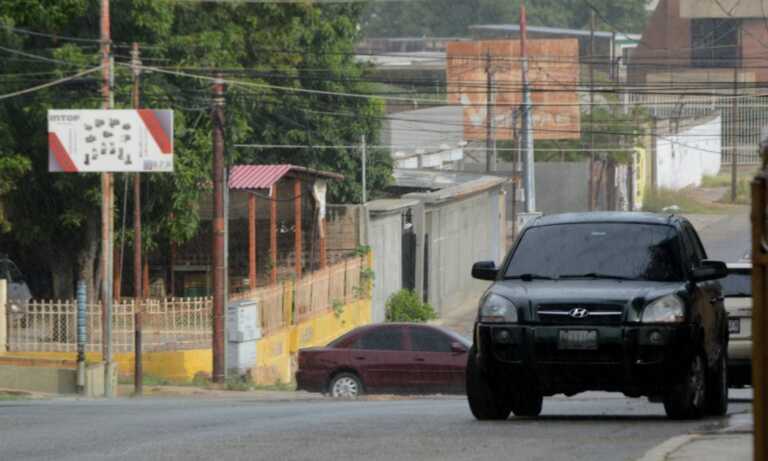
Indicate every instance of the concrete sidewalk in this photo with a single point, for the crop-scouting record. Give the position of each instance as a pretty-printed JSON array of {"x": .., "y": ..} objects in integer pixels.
[{"x": 731, "y": 444}]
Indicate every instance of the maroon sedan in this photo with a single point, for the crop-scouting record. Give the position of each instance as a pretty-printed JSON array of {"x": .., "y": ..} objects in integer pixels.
[{"x": 383, "y": 358}]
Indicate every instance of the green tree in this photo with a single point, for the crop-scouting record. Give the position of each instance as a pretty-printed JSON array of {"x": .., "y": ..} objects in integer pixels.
[
  {"x": 55, "y": 217},
  {"x": 451, "y": 18}
]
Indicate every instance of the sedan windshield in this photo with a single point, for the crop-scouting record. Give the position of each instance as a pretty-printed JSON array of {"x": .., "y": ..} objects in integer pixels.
[{"x": 598, "y": 250}]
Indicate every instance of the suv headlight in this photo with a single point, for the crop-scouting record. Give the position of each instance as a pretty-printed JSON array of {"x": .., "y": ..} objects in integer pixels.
[
  {"x": 667, "y": 309},
  {"x": 497, "y": 309}
]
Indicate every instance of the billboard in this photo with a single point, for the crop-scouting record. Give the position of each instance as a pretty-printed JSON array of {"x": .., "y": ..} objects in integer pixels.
[
  {"x": 118, "y": 141},
  {"x": 553, "y": 73}
]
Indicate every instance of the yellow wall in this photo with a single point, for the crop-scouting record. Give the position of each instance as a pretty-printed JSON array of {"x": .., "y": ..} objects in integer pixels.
[
  {"x": 275, "y": 353},
  {"x": 170, "y": 365}
]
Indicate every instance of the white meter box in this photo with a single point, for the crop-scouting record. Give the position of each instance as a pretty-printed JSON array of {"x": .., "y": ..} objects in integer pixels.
[{"x": 102, "y": 141}]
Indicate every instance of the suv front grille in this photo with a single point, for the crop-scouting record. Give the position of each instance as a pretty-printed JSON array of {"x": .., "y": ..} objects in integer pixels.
[{"x": 580, "y": 314}]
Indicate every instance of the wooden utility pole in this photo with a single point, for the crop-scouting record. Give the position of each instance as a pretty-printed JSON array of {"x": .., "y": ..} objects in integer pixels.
[
  {"x": 138, "y": 371},
  {"x": 219, "y": 266},
  {"x": 252, "y": 278},
  {"x": 592, "y": 187},
  {"x": 490, "y": 141},
  {"x": 106, "y": 208},
  {"x": 297, "y": 236},
  {"x": 273, "y": 234}
]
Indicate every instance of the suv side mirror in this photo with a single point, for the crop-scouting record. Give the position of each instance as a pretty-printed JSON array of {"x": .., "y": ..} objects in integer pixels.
[
  {"x": 485, "y": 270},
  {"x": 709, "y": 270}
]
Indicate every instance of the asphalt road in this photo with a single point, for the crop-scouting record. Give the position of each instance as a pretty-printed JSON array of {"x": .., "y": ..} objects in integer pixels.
[
  {"x": 593, "y": 427},
  {"x": 725, "y": 237}
]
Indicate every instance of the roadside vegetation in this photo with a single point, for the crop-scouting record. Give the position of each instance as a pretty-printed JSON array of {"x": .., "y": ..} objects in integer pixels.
[{"x": 406, "y": 306}]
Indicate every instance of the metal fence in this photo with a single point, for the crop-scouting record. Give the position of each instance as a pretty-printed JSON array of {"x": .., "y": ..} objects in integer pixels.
[
  {"x": 168, "y": 324},
  {"x": 743, "y": 117},
  {"x": 182, "y": 323}
]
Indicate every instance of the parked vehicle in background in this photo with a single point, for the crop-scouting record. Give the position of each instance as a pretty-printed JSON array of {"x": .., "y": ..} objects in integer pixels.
[
  {"x": 621, "y": 302},
  {"x": 737, "y": 289},
  {"x": 18, "y": 291},
  {"x": 386, "y": 358}
]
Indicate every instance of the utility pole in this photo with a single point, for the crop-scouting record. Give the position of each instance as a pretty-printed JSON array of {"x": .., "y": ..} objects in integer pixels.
[
  {"x": 490, "y": 135},
  {"x": 365, "y": 170},
  {"x": 217, "y": 115},
  {"x": 106, "y": 209},
  {"x": 734, "y": 143},
  {"x": 529, "y": 161},
  {"x": 592, "y": 191},
  {"x": 138, "y": 371}
]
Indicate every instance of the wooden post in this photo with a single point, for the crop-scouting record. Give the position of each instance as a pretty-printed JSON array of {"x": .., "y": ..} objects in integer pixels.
[
  {"x": 251, "y": 241},
  {"x": 273, "y": 234},
  {"x": 3, "y": 322},
  {"x": 323, "y": 253},
  {"x": 759, "y": 320},
  {"x": 297, "y": 224},
  {"x": 145, "y": 284}
]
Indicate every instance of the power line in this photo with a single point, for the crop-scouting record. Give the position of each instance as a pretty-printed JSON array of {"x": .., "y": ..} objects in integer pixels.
[{"x": 49, "y": 84}]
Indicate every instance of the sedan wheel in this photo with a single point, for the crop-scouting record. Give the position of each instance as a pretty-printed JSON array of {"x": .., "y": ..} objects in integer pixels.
[{"x": 346, "y": 386}]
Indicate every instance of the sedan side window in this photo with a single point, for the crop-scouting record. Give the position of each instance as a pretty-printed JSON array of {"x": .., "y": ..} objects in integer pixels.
[
  {"x": 428, "y": 340},
  {"x": 381, "y": 339}
]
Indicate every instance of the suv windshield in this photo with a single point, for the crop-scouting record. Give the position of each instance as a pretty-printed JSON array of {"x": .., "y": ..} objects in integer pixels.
[{"x": 599, "y": 250}]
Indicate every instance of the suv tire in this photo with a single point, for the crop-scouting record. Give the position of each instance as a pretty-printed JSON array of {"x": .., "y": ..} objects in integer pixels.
[
  {"x": 486, "y": 401},
  {"x": 527, "y": 399},
  {"x": 688, "y": 399},
  {"x": 717, "y": 388}
]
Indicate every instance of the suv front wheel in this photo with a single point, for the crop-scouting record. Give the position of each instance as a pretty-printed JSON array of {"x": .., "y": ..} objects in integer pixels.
[
  {"x": 486, "y": 400},
  {"x": 687, "y": 399}
]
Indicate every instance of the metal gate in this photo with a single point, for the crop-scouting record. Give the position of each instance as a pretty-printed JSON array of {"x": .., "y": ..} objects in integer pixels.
[
  {"x": 408, "y": 251},
  {"x": 759, "y": 302}
]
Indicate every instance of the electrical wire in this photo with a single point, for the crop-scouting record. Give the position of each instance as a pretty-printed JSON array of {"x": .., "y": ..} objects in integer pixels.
[{"x": 49, "y": 84}]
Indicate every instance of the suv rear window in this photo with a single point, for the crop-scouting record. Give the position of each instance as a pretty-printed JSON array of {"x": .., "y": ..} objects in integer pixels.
[{"x": 626, "y": 250}]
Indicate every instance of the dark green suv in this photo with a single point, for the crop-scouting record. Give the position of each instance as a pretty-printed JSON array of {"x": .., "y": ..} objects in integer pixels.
[{"x": 622, "y": 302}]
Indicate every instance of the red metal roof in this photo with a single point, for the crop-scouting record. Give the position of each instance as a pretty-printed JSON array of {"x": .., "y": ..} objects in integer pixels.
[
  {"x": 265, "y": 176},
  {"x": 256, "y": 176}
]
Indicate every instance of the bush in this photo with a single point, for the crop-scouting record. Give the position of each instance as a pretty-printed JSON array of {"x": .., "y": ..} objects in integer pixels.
[{"x": 405, "y": 306}]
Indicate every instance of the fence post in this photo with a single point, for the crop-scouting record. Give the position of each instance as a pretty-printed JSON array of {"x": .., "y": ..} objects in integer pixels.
[
  {"x": 81, "y": 335},
  {"x": 3, "y": 322}
]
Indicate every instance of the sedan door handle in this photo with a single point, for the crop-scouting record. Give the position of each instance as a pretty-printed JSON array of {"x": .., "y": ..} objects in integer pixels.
[
  {"x": 419, "y": 359},
  {"x": 360, "y": 357}
]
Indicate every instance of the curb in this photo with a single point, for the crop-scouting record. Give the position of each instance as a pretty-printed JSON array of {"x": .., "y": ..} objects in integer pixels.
[{"x": 661, "y": 452}]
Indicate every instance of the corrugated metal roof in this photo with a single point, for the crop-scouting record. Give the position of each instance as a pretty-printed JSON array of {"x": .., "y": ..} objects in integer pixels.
[
  {"x": 265, "y": 176},
  {"x": 542, "y": 30},
  {"x": 256, "y": 176}
]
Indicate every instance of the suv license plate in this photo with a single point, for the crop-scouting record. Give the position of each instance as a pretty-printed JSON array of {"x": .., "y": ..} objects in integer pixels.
[
  {"x": 577, "y": 339},
  {"x": 734, "y": 326}
]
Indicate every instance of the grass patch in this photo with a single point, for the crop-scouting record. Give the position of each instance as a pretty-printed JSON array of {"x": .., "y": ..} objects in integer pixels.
[
  {"x": 6, "y": 396},
  {"x": 149, "y": 380},
  {"x": 743, "y": 192},
  {"x": 721, "y": 180},
  {"x": 664, "y": 198}
]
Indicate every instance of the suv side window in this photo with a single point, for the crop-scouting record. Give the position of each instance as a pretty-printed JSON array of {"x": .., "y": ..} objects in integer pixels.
[{"x": 692, "y": 257}]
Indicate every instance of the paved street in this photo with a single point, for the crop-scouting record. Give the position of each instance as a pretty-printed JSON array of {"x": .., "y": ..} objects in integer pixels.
[
  {"x": 725, "y": 237},
  {"x": 593, "y": 427}
]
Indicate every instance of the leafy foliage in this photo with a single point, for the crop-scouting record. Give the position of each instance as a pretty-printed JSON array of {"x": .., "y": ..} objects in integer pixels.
[
  {"x": 451, "y": 18},
  {"x": 406, "y": 306},
  {"x": 299, "y": 46}
]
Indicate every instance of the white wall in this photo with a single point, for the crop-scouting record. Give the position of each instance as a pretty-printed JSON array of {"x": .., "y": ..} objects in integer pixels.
[{"x": 683, "y": 159}]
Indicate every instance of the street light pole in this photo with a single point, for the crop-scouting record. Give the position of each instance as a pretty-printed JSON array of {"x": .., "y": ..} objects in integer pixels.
[{"x": 529, "y": 160}]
